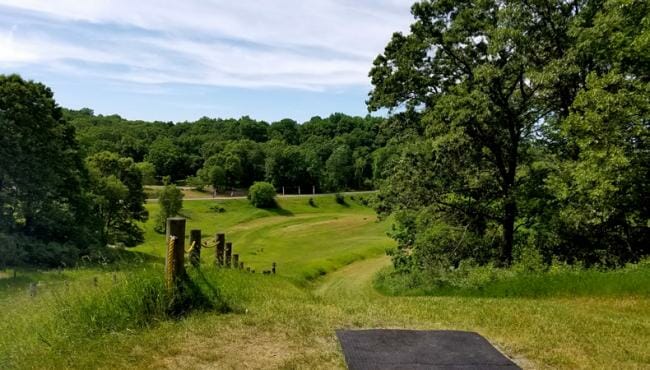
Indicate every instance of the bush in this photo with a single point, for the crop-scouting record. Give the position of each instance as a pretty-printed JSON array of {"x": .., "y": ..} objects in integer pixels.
[
  {"x": 340, "y": 199},
  {"x": 262, "y": 195}
]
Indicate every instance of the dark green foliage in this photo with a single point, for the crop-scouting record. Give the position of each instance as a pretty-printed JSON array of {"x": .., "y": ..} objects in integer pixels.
[
  {"x": 118, "y": 198},
  {"x": 339, "y": 198},
  {"x": 506, "y": 144},
  {"x": 330, "y": 153},
  {"x": 170, "y": 199},
  {"x": 312, "y": 202},
  {"x": 217, "y": 209},
  {"x": 44, "y": 208},
  {"x": 262, "y": 195}
]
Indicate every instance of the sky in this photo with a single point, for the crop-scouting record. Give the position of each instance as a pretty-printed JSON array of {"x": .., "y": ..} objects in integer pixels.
[{"x": 181, "y": 60}]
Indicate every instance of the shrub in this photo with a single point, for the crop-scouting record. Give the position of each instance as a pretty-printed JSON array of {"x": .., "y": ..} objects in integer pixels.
[
  {"x": 312, "y": 203},
  {"x": 340, "y": 199},
  {"x": 262, "y": 195},
  {"x": 217, "y": 209}
]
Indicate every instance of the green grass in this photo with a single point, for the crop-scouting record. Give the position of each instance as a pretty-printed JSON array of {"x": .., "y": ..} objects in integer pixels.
[
  {"x": 561, "y": 281},
  {"x": 304, "y": 241},
  {"x": 287, "y": 321}
]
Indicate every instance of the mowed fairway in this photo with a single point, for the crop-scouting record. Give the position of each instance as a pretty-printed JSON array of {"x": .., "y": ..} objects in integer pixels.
[{"x": 305, "y": 241}]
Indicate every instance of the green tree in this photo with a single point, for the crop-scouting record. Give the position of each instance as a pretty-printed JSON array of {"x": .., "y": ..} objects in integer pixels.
[
  {"x": 170, "y": 199},
  {"x": 339, "y": 168},
  {"x": 148, "y": 172},
  {"x": 471, "y": 73},
  {"x": 116, "y": 186},
  {"x": 262, "y": 195},
  {"x": 44, "y": 209}
]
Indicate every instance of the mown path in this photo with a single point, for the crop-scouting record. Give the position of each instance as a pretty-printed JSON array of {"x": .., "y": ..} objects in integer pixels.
[{"x": 353, "y": 280}]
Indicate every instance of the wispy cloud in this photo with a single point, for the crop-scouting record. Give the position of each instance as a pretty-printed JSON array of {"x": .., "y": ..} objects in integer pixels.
[{"x": 311, "y": 45}]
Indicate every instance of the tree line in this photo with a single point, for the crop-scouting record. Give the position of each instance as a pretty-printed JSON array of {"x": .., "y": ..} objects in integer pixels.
[{"x": 334, "y": 153}]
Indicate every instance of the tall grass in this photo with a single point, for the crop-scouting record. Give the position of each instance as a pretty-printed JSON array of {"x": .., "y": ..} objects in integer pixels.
[
  {"x": 488, "y": 281},
  {"x": 63, "y": 317}
]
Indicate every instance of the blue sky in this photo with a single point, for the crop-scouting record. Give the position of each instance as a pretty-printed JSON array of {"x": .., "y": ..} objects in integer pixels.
[{"x": 180, "y": 60}]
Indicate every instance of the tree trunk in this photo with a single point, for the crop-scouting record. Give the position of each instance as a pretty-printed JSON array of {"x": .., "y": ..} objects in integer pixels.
[{"x": 508, "y": 232}]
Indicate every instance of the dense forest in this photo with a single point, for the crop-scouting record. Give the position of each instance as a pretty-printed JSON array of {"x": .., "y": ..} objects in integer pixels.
[{"x": 335, "y": 153}]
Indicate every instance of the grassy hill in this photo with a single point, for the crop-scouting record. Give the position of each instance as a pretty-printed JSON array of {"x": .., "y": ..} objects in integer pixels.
[
  {"x": 305, "y": 240},
  {"x": 287, "y": 321}
]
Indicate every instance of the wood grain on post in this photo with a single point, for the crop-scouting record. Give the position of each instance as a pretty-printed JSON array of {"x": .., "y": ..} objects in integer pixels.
[
  {"x": 220, "y": 249},
  {"x": 174, "y": 260},
  {"x": 228, "y": 254},
  {"x": 195, "y": 253}
]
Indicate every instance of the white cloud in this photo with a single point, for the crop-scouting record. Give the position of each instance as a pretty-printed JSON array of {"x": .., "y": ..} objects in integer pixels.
[{"x": 314, "y": 44}]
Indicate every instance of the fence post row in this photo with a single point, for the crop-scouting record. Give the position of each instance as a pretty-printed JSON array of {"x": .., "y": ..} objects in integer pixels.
[
  {"x": 195, "y": 252},
  {"x": 174, "y": 260},
  {"x": 228, "y": 254},
  {"x": 220, "y": 249}
]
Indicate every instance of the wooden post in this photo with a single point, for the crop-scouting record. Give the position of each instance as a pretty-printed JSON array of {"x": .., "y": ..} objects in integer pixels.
[
  {"x": 235, "y": 261},
  {"x": 32, "y": 289},
  {"x": 313, "y": 189},
  {"x": 283, "y": 190},
  {"x": 241, "y": 265},
  {"x": 174, "y": 260},
  {"x": 228, "y": 254},
  {"x": 220, "y": 249},
  {"x": 95, "y": 282},
  {"x": 298, "y": 189},
  {"x": 195, "y": 253},
  {"x": 273, "y": 268}
]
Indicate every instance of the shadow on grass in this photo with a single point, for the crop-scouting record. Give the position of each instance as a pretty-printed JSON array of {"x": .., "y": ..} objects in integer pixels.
[{"x": 279, "y": 211}]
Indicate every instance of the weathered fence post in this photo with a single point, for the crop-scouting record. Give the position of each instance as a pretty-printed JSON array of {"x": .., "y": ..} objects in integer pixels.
[
  {"x": 220, "y": 249},
  {"x": 298, "y": 189},
  {"x": 273, "y": 268},
  {"x": 174, "y": 264},
  {"x": 313, "y": 189},
  {"x": 195, "y": 252},
  {"x": 235, "y": 261},
  {"x": 32, "y": 289},
  {"x": 228, "y": 254}
]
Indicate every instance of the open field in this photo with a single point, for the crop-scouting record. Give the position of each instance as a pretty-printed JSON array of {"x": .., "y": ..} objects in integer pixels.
[{"x": 287, "y": 321}]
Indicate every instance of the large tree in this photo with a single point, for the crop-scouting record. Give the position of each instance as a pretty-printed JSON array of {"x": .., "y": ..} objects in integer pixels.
[
  {"x": 116, "y": 186},
  {"x": 466, "y": 68},
  {"x": 42, "y": 198},
  {"x": 519, "y": 115}
]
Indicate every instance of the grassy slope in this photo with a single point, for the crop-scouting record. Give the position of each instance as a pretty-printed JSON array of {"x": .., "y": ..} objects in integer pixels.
[
  {"x": 304, "y": 241},
  {"x": 278, "y": 324}
]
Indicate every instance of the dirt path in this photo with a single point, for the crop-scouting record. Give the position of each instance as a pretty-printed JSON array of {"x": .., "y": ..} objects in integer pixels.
[{"x": 354, "y": 280}]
